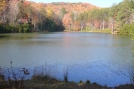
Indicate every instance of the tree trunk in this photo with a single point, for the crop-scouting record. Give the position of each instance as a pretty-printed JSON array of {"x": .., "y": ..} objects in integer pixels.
[
  {"x": 103, "y": 24},
  {"x": 74, "y": 27},
  {"x": 81, "y": 26},
  {"x": 34, "y": 26},
  {"x": 113, "y": 26},
  {"x": 100, "y": 26}
]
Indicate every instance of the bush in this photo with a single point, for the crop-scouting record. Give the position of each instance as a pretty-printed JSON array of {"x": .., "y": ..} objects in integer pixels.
[
  {"x": 87, "y": 82},
  {"x": 9, "y": 28},
  {"x": 81, "y": 82},
  {"x": 127, "y": 29},
  {"x": 1, "y": 75},
  {"x": 15, "y": 79},
  {"x": 23, "y": 28},
  {"x": 2, "y": 29}
]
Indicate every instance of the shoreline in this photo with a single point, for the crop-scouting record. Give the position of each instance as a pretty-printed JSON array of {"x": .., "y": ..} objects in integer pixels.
[{"x": 48, "y": 82}]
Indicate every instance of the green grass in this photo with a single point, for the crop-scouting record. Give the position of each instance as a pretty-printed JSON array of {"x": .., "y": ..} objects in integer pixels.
[{"x": 103, "y": 31}]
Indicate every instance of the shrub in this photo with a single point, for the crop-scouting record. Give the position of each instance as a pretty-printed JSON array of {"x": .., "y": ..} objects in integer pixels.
[
  {"x": 9, "y": 28},
  {"x": 127, "y": 29},
  {"x": 2, "y": 29},
  {"x": 81, "y": 82},
  {"x": 25, "y": 27},
  {"x": 1, "y": 75},
  {"x": 87, "y": 82},
  {"x": 15, "y": 79},
  {"x": 66, "y": 76}
]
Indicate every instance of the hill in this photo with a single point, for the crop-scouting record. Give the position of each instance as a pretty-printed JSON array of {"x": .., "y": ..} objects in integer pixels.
[
  {"x": 30, "y": 16},
  {"x": 65, "y": 10},
  {"x": 69, "y": 7}
]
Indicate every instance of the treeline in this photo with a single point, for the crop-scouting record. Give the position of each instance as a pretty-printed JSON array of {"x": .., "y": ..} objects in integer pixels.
[
  {"x": 22, "y": 16},
  {"x": 25, "y": 16},
  {"x": 118, "y": 18}
]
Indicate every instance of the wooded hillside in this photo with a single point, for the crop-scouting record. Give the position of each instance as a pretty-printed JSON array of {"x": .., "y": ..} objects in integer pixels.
[
  {"x": 27, "y": 16},
  {"x": 65, "y": 10},
  {"x": 118, "y": 18}
]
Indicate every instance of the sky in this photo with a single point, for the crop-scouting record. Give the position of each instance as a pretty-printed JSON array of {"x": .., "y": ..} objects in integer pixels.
[{"x": 100, "y": 3}]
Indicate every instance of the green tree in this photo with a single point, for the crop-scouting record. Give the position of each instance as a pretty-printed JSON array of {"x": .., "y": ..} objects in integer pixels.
[
  {"x": 62, "y": 12},
  {"x": 50, "y": 25},
  {"x": 74, "y": 16},
  {"x": 124, "y": 12},
  {"x": 25, "y": 27},
  {"x": 127, "y": 29}
]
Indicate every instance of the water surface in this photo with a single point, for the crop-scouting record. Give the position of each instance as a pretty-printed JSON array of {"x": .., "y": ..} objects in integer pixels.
[{"x": 102, "y": 58}]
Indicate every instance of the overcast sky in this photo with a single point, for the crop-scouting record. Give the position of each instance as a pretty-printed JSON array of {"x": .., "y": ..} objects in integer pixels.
[{"x": 100, "y": 3}]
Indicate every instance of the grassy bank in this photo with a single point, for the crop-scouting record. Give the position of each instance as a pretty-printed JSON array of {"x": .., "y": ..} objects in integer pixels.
[
  {"x": 45, "y": 81},
  {"x": 88, "y": 30},
  {"x": 103, "y": 31},
  {"x": 12, "y": 79},
  {"x": 40, "y": 80}
]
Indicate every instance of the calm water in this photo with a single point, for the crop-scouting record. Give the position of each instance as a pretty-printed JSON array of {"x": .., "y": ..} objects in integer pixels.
[{"x": 102, "y": 58}]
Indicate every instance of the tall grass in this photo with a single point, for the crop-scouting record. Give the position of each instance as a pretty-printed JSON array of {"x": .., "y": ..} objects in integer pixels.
[
  {"x": 15, "y": 79},
  {"x": 42, "y": 74},
  {"x": 66, "y": 75}
]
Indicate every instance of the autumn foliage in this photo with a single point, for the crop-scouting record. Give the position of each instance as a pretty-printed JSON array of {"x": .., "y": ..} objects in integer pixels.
[{"x": 41, "y": 16}]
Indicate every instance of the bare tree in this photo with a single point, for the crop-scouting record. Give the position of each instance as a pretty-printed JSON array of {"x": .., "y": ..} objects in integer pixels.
[
  {"x": 13, "y": 12},
  {"x": 111, "y": 24}
]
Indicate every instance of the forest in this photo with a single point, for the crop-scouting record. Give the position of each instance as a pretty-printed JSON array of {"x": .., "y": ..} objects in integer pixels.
[
  {"x": 21, "y": 16},
  {"x": 118, "y": 18}
]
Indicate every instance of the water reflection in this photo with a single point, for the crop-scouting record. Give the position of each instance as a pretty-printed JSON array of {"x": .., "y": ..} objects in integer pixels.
[
  {"x": 102, "y": 58},
  {"x": 131, "y": 72}
]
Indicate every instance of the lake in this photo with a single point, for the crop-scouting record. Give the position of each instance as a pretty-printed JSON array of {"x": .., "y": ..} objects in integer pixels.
[{"x": 102, "y": 58}]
